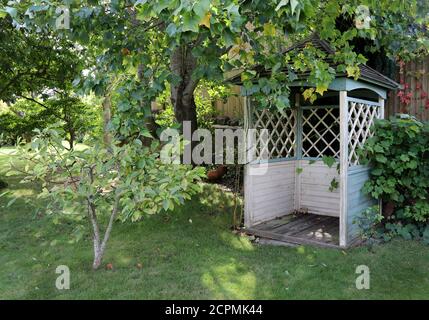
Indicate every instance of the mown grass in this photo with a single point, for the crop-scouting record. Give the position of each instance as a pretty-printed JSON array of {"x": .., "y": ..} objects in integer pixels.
[{"x": 191, "y": 254}]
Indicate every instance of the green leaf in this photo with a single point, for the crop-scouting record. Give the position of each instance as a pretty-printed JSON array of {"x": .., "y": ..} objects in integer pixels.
[
  {"x": 329, "y": 161},
  {"x": 171, "y": 29},
  {"x": 4, "y": 193},
  {"x": 381, "y": 158},
  {"x": 190, "y": 22},
  {"x": 377, "y": 172},
  {"x": 281, "y": 4},
  {"x": 269, "y": 30},
  {"x": 201, "y": 8},
  {"x": 165, "y": 204},
  {"x": 293, "y": 4}
]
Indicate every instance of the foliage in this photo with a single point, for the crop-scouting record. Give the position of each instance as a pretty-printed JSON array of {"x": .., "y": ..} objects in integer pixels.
[
  {"x": 398, "y": 154},
  {"x": 369, "y": 224},
  {"x": 207, "y": 93},
  {"x": 76, "y": 118},
  {"x": 97, "y": 183},
  {"x": 33, "y": 62},
  {"x": 20, "y": 120},
  {"x": 408, "y": 231},
  {"x": 139, "y": 39}
]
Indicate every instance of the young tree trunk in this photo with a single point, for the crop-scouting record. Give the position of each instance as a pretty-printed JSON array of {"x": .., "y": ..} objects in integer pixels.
[
  {"x": 98, "y": 257},
  {"x": 98, "y": 243},
  {"x": 183, "y": 64}
]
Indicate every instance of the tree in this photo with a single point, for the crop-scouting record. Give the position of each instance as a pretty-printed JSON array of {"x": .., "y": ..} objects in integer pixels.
[
  {"x": 72, "y": 115},
  {"x": 98, "y": 185},
  {"x": 32, "y": 63},
  {"x": 182, "y": 42}
]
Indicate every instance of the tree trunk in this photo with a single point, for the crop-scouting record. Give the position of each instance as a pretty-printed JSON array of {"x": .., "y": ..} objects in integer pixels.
[
  {"x": 107, "y": 116},
  {"x": 72, "y": 139},
  {"x": 183, "y": 64},
  {"x": 98, "y": 256}
]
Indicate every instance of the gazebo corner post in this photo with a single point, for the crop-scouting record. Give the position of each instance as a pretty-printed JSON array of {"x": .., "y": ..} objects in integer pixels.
[
  {"x": 247, "y": 180},
  {"x": 381, "y": 102},
  {"x": 381, "y": 115},
  {"x": 344, "y": 155},
  {"x": 298, "y": 151}
]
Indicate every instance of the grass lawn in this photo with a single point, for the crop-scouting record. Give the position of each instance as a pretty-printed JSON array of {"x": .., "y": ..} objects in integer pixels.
[{"x": 191, "y": 254}]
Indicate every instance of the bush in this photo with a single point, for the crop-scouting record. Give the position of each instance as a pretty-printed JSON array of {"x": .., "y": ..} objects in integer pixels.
[{"x": 399, "y": 155}]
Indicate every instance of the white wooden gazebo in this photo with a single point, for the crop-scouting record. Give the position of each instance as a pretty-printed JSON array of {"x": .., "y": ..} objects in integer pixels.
[{"x": 290, "y": 194}]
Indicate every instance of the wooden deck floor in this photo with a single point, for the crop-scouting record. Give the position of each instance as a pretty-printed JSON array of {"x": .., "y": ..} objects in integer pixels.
[{"x": 300, "y": 229}]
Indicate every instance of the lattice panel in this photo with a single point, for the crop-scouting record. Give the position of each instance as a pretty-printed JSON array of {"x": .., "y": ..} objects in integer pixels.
[
  {"x": 321, "y": 132},
  {"x": 361, "y": 118},
  {"x": 281, "y": 140}
]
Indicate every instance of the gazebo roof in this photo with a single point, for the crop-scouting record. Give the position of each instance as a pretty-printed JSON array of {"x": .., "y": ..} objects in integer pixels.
[{"x": 367, "y": 74}]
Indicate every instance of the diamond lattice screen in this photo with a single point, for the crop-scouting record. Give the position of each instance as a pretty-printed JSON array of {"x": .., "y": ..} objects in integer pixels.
[
  {"x": 361, "y": 118},
  {"x": 281, "y": 126},
  {"x": 321, "y": 132}
]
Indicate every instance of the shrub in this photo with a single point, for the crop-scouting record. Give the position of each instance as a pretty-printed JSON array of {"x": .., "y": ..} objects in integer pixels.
[{"x": 399, "y": 155}]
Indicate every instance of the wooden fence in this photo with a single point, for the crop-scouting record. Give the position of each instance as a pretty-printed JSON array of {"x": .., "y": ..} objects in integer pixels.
[
  {"x": 233, "y": 106},
  {"x": 415, "y": 95}
]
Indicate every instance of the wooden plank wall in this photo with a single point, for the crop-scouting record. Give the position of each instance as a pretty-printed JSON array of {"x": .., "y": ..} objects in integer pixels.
[
  {"x": 269, "y": 191},
  {"x": 357, "y": 201},
  {"x": 415, "y": 74},
  {"x": 314, "y": 190}
]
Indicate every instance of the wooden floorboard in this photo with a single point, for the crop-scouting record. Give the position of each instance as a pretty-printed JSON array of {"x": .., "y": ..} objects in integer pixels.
[
  {"x": 296, "y": 222},
  {"x": 308, "y": 229},
  {"x": 275, "y": 223},
  {"x": 309, "y": 224}
]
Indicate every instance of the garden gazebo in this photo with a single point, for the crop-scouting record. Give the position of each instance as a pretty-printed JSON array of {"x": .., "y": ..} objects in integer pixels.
[{"x": 292, "y": 195}]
